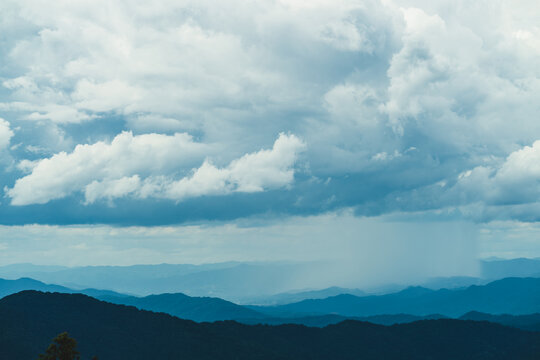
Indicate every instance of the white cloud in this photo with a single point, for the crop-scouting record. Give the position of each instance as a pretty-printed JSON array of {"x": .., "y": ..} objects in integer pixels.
[
  {"x": 357, "y": 80},
  {"x": 111, "y": 189},
  {"x": 115, "y": 170},
  {"x": 459, "y": 83},
  {"x": 514, "y": 181},
  {"x": 354, "y": 103},
  {"x": 265, "y": 169},
  {"x": 106, "y": 96},
  {"x": 59, "y": 114},
  {"x": 189, "y": 60},
  {"x": 5, "y": 134},
  {"x": 127, "y": 155}
]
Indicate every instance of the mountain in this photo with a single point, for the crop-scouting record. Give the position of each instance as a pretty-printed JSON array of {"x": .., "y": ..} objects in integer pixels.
[
  {"x": 521, "y": 267},
  {"x": 31, "y": 319},
  {"x": 229, "y": 280},
  {"x": 254, "y": 282},
  {"x": 454, "y": 282},
  {"x": 180, "y": 305},
  {"x": 15, "y": 271},
  {"x": 8, "y": 287},
  {"x": 525, "y": 322},
  {"x": 511, "y": 296},
  {"x": 295, "y": 296},
  {"x": 325, "y": 320},
  {"x": 186, "y": 307},
  {"x": 189, "y": 308}
]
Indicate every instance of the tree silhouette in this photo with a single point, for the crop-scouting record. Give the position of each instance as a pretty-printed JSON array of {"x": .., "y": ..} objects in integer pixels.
[{"x": 62, "y": 348}]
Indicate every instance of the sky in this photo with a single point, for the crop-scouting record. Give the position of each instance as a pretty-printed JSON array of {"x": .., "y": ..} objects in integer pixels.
[{"x": 203, "y": 131}]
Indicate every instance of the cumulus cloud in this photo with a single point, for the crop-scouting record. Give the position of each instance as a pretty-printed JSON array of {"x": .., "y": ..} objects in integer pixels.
[
  {"x": 361, "y": 82},
  {"x": 354, "y": 103},
  {"x": 5, "y": 134},
  {"x": 145, "y": 165},
  {"x": 187, "y": 60},
  {"x": 65, "y": 173},
  {"x": 111, "y": 189},
  {"x": 255, "y": 172},
  {"x": 515, "y": 181},
  {"x": 450, "y": 81}
]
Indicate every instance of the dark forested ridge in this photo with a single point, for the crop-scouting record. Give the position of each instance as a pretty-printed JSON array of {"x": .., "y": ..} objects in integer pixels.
[
  {"x": 329, "y": 319},
  {"x": 525, "y": 322},
  {"x": 30, "y": 319}
]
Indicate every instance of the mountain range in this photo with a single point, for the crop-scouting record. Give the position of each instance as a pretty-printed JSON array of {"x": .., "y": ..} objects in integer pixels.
[
  {"x": 8, "y": 287},
  {"x": 511, "y": 296},
  {"x": 507, "y": 296},
  {"x": 187, "y": 307},
  {"x": 246, "y": 283},
  {"x": 180, "y": 305},
  {"x": 31, "y": 319},
  {"x": 229, "y": 280}
]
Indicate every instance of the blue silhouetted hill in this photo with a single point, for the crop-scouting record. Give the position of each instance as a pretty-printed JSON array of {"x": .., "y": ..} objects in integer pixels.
[
  {"x": 8, "y": 287},
  {"x": 187, "y": 307},
  {"x": 295, "y": 296},
  {"x": 30, "y": 319},
  {"x": 180, "y": 305},
  {"x": 507, "y": 296}
]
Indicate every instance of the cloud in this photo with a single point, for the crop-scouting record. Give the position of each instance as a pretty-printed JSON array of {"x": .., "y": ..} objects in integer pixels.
[
  {"x": 181, "y": 60},
  {"x": 5, "y": 134},
  {"x": 515, "y": 181},
  {"x": 255, "y": 172},
  {"x": 361, "y": 82},
  {"x": 144, "y": 166},
  {"x": 111, "y": 189},
  {"x": 66, "y": 173}
]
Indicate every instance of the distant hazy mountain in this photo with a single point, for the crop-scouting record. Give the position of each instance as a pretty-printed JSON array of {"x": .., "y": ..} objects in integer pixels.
[
  {"x": 229, "y": 280},
  {"x": 31, "y": 319},
  {"x": 239, "y": 282},
  {"x": 498, "y": 269},
  {"x": 128, "y": 279},
  {"x": 186, "y": 307},
  {"x": 8, "y": 287},
  {"x": 454, "y": 282},
  {"x": 15, "y": 271},
  {"x": 290, "y": 297},
  {"x": 510, "y": 296}
]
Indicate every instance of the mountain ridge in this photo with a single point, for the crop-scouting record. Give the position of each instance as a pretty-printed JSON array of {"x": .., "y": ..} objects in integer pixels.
[
  {"x": 511, "y": 295},
  {"x": 30, "y": 319}
]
